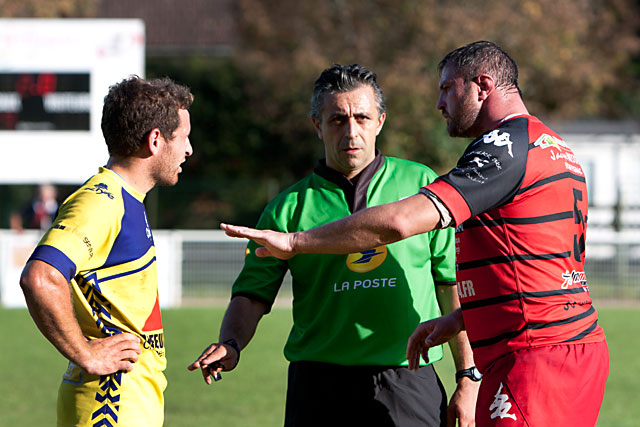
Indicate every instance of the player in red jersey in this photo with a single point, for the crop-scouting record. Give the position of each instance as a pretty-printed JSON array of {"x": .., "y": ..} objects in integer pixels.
[{"x": 518, "y": 200}]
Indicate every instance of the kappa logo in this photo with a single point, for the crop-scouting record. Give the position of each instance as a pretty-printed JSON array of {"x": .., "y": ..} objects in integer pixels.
[
  {"x": 364, "y": 261},
  {"x": 501, "y": 406},
  {"x": 100, "y": 189},
  {"x": 499, "y": 140}
]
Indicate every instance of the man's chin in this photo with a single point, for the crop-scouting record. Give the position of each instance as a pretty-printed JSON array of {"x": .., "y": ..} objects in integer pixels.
[
  {"x": 168, "y": 182},
  {"x": 456, "y": 132}
]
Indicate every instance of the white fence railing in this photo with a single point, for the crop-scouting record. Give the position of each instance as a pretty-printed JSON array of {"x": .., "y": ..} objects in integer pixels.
[{"x": 199, "y": 266}]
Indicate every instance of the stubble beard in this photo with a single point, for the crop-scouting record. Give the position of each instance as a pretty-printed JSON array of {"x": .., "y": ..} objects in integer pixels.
[
  {"x": 465, "y": 122},
  {"x": 165, "y": 175}
]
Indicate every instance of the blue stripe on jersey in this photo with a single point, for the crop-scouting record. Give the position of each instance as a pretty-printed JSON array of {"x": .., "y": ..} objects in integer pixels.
[
  {"x": 134, "y": 239},
  {"x": 126, "y": 273},
  {"x": 55, "y": 258}
]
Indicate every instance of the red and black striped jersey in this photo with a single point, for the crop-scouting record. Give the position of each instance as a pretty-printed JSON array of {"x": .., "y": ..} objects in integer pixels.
[{"x": 519, "y": 198}]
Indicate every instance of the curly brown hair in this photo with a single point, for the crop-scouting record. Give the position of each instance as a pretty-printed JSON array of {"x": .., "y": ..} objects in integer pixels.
[{"x": 134, "y": 107}]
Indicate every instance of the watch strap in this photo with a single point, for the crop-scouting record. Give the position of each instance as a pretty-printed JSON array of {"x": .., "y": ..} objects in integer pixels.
[
  {"x": 233, "y": 343},
  {"x": 471, "y": 373}
]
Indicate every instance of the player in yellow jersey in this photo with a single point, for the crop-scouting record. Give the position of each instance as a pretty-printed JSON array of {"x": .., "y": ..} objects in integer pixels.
[{"x": 91, "y": 284}]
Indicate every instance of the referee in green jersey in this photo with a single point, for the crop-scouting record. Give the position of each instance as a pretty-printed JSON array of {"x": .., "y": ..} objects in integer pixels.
[{"x": 352, "y": 314}]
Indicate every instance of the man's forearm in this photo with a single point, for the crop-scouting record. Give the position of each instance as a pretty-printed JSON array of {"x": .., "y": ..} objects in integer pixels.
[
  {"x": 241, "y": 320},
  {"x": 459, "y": 345},
  {"x": 379, "y": 225}
]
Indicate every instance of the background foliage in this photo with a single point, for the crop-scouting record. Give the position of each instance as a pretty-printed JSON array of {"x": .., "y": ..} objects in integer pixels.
[{"x": 577, "y": 59}]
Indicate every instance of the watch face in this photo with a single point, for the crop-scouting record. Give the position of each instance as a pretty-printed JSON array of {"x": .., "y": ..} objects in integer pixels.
[
  {"x": 473, "y": 373},
  {"x": 477, "y": 376}
]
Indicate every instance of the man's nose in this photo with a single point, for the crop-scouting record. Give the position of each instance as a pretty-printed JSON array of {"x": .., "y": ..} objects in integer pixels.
[{"x": 352, "y": 128}]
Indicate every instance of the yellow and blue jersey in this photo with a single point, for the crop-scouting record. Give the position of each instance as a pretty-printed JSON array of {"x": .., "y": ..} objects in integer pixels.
[{"x": 102, "y": 243}]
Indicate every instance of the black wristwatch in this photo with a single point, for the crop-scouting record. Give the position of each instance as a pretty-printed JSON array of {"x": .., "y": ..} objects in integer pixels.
[
  {"x": 233, "y": 343},
  {"x": 471, "y": 373}
]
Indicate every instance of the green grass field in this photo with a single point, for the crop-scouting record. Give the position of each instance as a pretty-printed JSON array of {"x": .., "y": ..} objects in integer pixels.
[{"x": 253, "y": 395}]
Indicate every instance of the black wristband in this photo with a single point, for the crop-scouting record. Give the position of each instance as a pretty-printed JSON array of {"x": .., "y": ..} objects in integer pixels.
[
  {"x": 471, "y": 373},
  {"x": 233, "y": 343}
]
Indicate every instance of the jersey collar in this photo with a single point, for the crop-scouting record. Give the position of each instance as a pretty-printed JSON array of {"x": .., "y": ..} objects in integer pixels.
[{"x": 355, "y": 189}]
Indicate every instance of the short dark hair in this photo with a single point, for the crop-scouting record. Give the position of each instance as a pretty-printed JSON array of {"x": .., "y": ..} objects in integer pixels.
[
  {"x": 134, "y": 107},
  {"x": 344, "y": 78},
  {"x": 481, "y": 57}
]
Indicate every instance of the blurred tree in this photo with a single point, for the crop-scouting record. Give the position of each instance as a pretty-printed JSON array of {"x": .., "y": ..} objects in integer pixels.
[
  {"x": 250, "y": 127},
  {"x": 250, "y": 117},
  {"x": 573, "y": 57},
  {"x": 229, "y": 177}
]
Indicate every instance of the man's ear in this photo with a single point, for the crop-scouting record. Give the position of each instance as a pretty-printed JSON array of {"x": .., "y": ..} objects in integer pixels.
[
  {"x": 486, "y": 85},
  {"x": 153, "y": 141},
  {"x": 316, "y": 124},
  {"x": 381, "y": 120}
]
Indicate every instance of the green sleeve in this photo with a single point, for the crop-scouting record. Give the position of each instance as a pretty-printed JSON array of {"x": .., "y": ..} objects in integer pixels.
[
  {"x": 443, "y": 256},
  {"x": 443, "y": 252}
]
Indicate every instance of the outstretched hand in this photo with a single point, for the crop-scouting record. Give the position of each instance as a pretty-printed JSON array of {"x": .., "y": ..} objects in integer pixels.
[
  {"x": 274, "y": 243},
  {"x": 431, "y": 333},
  {"x": 215, "y": 359}
]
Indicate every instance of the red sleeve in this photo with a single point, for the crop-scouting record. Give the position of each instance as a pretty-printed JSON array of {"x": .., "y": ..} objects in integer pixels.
[{"x": 452, "y": 199}]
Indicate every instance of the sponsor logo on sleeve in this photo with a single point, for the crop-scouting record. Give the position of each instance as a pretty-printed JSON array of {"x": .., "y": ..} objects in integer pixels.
[
  {"x": 87, "y": 243},
  {"x": 476, "y": 162},
  {"x": 499, "y": 139}
]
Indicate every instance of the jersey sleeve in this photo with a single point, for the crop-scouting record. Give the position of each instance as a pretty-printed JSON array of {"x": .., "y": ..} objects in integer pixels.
[
  {"x": 443, "y": 256},
  {"x": 79, "y": 237},
  {"x": 487, "y": 175},
  {"x": 442, "y": 249},
  {"x": 260, "y": 278}
]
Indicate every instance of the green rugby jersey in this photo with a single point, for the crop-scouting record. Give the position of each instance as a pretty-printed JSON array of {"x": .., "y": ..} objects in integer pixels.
[{"x": 357, "y": 309}]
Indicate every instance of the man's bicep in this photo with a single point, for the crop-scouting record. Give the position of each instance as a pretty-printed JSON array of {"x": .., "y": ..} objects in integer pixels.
[{"x": 41, "y": 280}]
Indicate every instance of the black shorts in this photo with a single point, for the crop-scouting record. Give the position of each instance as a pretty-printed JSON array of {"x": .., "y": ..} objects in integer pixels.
[{"x": 323, "y": 394}]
